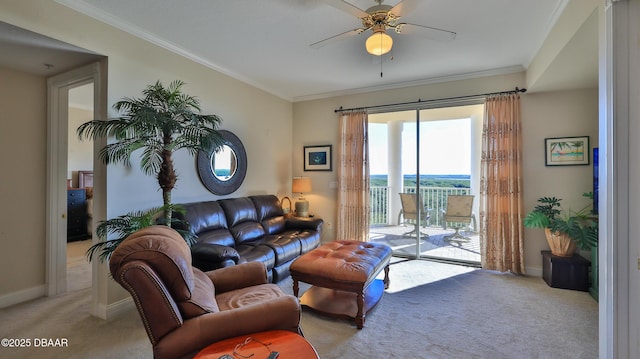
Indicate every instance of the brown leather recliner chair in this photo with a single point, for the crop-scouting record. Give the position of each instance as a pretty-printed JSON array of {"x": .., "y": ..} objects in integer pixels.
[{"x": 184, "y": 309}]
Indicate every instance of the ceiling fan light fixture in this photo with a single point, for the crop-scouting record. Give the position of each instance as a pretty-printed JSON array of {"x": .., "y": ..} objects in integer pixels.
[{"x": 379, "y": 43}]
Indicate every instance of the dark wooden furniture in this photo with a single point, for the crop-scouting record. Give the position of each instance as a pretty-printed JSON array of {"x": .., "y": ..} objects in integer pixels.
[
  {"x": 288, "y": 344},
  {"x": 85, "y": 179},
  {"x": 343, "y": 278},
  {"x": 76, "y": 214},
  {"x": 565, "y": 272},
  {"x": 593, "y": 290}
]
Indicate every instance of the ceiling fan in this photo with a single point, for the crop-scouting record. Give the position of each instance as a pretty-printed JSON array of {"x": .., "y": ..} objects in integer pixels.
[{"x": 379, "y": 18}]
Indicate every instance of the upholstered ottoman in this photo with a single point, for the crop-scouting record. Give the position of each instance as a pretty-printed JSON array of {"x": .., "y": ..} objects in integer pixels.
[{"x": 343, "y": 278}]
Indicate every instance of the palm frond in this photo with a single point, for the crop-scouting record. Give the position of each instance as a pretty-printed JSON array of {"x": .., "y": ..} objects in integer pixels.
[
  {"x": 196, "y": 138},
  {"x": 151, "y": 159},
  {"x": 123, "y": 226},
  {"x": 120, "y": 152},
  {"x": 97, "y": 129}
]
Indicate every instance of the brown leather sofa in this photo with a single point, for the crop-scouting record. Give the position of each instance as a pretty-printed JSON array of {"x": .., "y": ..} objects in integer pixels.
[
  {"x": 249, "y": 229},
  {"x": 184, "y": 309}
]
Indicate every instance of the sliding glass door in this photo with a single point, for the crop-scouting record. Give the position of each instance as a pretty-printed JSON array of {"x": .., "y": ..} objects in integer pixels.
[{"x": 419, "y": 158}]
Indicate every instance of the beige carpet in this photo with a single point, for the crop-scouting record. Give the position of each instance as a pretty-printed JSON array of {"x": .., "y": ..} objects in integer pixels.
[
  {"x": 431, "y": 310},
  {"x": 470, "y": 314},
  {"x": 78, "y": 268}
]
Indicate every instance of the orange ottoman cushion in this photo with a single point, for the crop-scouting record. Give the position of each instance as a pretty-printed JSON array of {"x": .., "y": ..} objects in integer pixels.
[{"x": 343, "y": 261}]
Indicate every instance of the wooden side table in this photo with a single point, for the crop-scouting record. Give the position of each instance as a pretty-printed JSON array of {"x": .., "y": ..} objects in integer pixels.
[
  {"x": 290, "y": 346},
  {"x": 565, "y": 272}
]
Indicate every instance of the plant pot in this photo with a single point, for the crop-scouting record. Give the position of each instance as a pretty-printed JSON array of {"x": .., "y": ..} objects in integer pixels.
[{"x": 560, "y": 243}]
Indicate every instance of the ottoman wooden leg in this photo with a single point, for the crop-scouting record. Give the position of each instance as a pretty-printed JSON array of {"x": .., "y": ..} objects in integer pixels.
[
  {"x": 386, "y": 277},
  {"x": 360, "y": 316},
  {"x": 295, "y": 288}
]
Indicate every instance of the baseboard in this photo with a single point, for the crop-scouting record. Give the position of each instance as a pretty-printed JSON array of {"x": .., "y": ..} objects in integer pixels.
[
  {"x": 20, "y": 296},
  {"x": 113, "y": 310}
]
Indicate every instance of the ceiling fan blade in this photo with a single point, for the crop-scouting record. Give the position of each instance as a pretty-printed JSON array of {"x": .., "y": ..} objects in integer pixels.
[
  {"x": 404, "y": 7},
  {"x": 347, "y": 7},
  {"x": 325, "y": 42},
  {"x": 426, "y": 31}
]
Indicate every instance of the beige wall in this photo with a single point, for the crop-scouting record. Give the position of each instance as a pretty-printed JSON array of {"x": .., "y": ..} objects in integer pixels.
[
  {"x": 23, "y": 141},
  {"x": 262, "y": 121},
  {"x": 557, "y": 114},
  {"x": 80, "y": 155}
]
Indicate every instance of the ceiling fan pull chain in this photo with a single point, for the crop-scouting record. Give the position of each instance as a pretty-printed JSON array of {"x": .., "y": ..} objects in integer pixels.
[{"x": 381, "y": 57}]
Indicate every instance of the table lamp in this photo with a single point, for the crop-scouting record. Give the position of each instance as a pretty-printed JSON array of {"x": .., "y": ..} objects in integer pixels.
[{"x": 301, "y": 185}]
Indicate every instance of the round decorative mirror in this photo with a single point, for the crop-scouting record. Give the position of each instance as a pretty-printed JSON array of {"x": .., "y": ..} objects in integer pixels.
[{"x": 223, "y": 172}]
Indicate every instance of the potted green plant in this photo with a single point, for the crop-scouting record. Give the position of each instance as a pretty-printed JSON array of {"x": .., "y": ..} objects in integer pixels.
[
  {"x": 161, "y": 122},
  {"x": 565, "y": 230}
]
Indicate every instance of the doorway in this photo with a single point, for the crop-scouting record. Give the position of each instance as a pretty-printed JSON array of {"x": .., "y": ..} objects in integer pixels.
[
  {"x": 418, "y": 158},
  {"x": 79, "y": 188},
  {"x": 59, "y": 177}
]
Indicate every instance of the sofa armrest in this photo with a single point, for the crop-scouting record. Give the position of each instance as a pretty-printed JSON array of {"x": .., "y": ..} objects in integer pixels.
[
  {"x": 239, "y": 276},
  {"x": 301, "y": 223},
  {"x": 207, "y": 256}
]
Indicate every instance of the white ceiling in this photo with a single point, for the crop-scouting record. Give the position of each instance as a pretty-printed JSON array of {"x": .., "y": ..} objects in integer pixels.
[{"x": 266, "y": 43}]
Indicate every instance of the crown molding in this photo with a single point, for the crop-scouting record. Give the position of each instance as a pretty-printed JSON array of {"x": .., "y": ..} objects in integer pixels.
[
  {"x": 136, "y": 31},
  {"x": 422, "y": 82}
]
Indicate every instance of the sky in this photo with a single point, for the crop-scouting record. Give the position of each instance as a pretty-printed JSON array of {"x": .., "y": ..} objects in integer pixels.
[{"x": 445, "y": 147}]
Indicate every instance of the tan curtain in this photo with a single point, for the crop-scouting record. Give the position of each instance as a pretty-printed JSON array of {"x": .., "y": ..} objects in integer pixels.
[
  {"x": 501, "y": 230},
  {"x": 353, "y": 178}
]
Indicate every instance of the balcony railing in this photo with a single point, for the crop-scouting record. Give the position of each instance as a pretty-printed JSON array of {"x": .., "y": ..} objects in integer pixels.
[{"x": 435, "y": 199}]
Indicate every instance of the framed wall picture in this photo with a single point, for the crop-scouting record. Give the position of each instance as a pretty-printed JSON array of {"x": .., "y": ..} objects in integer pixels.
[
  {"x": 317, "y": 158},
  {"x": 567, "y": 151}
]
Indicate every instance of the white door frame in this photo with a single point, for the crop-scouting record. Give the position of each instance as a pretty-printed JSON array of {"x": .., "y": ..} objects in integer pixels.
[
  {"x": 617, "y": 256},
  {"x": 57, "y": 141}
]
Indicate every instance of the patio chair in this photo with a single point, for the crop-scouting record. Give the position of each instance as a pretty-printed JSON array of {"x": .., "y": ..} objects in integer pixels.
[
  {"x": 409, "y": 212},
  {"x": 459, "y": 211}
]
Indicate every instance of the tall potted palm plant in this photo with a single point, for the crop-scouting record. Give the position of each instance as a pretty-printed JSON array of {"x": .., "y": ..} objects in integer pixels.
[{"x": 161, "y": 122}]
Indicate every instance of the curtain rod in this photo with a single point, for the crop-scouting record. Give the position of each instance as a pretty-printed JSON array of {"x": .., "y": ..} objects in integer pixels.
[{"x": 433, "y": 100}]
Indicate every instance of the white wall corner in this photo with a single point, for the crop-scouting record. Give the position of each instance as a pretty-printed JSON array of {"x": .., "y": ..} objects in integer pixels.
[{"x": 116, "y": 309}]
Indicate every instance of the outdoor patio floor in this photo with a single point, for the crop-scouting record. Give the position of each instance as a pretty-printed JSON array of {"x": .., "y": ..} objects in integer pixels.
[{"x": 433, "y": 246}]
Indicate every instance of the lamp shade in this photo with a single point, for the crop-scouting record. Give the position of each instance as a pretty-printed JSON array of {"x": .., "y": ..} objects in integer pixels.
[
  {"x": 301, "y": 185},
  {"x": 379, "y": 43}
]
